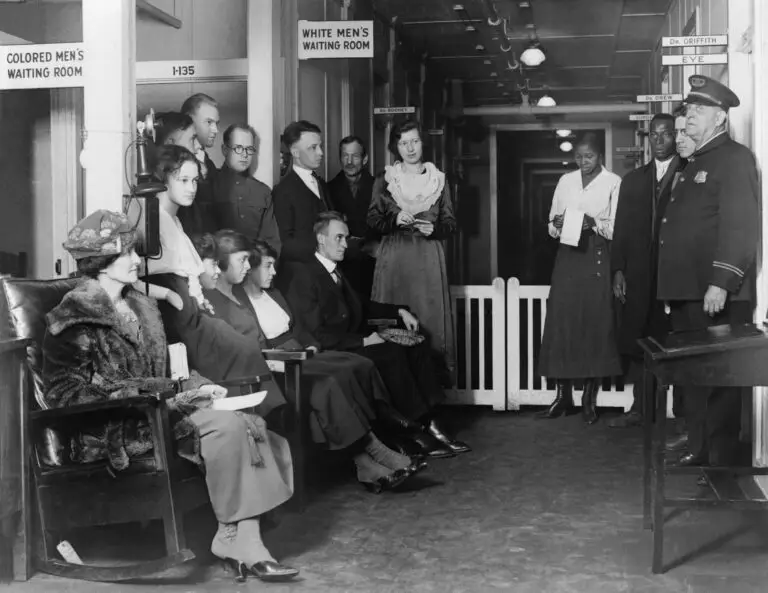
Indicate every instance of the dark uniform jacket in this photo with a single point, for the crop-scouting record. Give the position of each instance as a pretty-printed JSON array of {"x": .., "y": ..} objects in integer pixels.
[
  {"x": 199, "y": 218},
  {"x": 332, "y": 313},
  {"x": 244, "y": 204},
  {"x": 296, "y": 209},
  {"x": 709, "y": 231},
  {"x": 634, "y": 251}
]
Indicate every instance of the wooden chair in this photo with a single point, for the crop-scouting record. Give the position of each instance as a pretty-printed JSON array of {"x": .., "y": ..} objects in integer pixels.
[{"x": 68, "y": 495}]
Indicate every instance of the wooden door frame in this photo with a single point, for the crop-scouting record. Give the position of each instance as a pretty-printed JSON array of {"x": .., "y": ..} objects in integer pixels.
[{"x": 494, "y": 180}]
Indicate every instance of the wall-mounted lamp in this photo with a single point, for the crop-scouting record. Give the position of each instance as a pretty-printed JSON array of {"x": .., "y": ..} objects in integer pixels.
[{"x": 566, "y": 146}]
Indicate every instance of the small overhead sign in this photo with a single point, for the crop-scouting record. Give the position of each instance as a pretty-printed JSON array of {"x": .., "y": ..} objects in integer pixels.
[
  {"x": 393, "y": 110},
  {"x": 47, "y": 66},
  {"x": 694, "y": 59},
  {"x": 335, "y": 39},
  {"x": 629, "y": 149},
  {"x": 655, "y": 98},
  {"x": 641, "y": 117},
  {"x": 436, "y": 132},
  {"x": 694, "y": 41}
]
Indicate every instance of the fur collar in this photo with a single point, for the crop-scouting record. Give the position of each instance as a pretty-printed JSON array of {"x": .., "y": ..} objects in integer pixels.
[{"x": 89, "y": 304}]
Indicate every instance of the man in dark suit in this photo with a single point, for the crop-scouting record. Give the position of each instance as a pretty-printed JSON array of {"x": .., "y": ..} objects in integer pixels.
[
  {"x": 301, "y": 195},
  {"x": 707, "y": 245},
  {"x": 328, "y": 308},
  {"x": 204, "y": 111},
  {"x": 643, "y": 197},
  {"x": 351, "y": 192}
]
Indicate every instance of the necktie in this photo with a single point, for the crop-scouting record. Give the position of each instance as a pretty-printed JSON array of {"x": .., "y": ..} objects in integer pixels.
[{"x": 336, "y": 277}]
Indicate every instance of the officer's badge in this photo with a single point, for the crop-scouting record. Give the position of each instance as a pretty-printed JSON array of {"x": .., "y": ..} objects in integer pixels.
[
  {"x": 701, "y": 177},
  {"x": 697, "y": 81}
]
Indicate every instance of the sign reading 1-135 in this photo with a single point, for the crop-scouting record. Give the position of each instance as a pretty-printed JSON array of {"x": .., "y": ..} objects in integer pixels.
[{"x": 53, "y": 65}]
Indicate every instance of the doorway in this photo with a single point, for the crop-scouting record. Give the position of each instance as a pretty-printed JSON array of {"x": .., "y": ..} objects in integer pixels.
[{"x": 529, "y": 165}]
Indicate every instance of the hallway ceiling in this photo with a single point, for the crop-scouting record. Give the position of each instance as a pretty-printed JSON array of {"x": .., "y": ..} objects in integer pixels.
[{"x": 597, "y": 50}]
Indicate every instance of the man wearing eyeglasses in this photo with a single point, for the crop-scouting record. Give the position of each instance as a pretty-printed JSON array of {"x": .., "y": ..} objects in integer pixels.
[
  {"x": 242, "y": 203},
  {"x": 643, "y": 196},
  {"x": 708, "y": 240}
]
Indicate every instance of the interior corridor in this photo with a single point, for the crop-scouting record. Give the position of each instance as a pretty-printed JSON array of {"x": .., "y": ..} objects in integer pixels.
[{"x": 537, "y": 507}]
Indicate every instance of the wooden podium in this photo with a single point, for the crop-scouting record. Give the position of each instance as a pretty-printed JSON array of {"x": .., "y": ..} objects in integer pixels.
[{"x": 721, "y": 356}]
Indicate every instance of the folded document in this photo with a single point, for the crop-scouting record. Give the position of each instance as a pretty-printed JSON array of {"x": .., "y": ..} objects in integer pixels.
[
  {"x": 240, "y": 402},
  {"x": 573, "y": 220}
]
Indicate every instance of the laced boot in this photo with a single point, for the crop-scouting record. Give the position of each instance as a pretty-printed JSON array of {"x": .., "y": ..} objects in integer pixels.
[
  {"x": 563, "y": 404},
  {"x": 589, "y": 400}
]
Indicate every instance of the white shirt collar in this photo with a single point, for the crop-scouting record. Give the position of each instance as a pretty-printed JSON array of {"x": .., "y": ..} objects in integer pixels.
[
  {"x": 328, "y": 264},
  {"x": 308, "y": 178},
  {"x": 662, "y": 167}
]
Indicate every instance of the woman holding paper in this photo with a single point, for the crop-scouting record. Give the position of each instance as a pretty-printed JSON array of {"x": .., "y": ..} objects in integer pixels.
[
  {"x": 105, "y": 341},
  {"x": 578, "y": 341},
  {"x": 411, "y": 208}
]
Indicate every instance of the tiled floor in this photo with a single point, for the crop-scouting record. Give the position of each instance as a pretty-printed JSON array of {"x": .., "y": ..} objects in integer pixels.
[{"x": 537, "y": 507}]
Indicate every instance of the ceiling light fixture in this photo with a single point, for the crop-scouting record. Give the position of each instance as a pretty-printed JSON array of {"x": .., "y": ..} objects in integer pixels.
[
  {"x": 458, "y": 7},
  {"x": 494, "y": 74},
  {"x": 546, "y": 101},
  {"x": 563, "y": 133},
  {"x": 480, "y": 47},
  {"x": 470, "y": 29},
  {"x": 487, "y": 62},
  {"x": 566, "y": 146},
  {"x": 533, "y": 56}
]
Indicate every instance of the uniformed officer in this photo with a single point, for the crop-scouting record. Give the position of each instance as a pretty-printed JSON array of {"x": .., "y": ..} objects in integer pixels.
[{"x": 707, "y": 246}]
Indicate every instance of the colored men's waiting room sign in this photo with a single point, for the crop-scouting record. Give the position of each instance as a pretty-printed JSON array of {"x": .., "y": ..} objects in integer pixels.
[
  {"x": 53, "y": 65},
  {"x": 335, "y": 39}
]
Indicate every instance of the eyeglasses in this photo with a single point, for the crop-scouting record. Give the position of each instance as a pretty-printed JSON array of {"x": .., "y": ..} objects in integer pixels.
[
  {"x": 409, "y": 143},
  {"x": 238, "y": 149}
]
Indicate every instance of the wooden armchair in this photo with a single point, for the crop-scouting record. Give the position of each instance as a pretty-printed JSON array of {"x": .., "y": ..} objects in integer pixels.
[{"x": 68, "y": 495}]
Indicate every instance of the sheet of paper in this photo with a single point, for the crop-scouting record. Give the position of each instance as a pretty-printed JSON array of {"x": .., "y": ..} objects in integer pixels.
[
  {"x": 572, "y": 222},
  {"x": 179, "y": 366},
  {"x": 239, "y": 402}
]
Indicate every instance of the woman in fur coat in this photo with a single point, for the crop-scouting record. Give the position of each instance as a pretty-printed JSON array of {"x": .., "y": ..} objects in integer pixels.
[{"x": 105, "y": 341}]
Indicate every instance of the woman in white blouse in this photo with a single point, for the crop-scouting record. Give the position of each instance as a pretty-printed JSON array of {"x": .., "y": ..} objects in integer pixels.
[{"x": 578, "y": 341}]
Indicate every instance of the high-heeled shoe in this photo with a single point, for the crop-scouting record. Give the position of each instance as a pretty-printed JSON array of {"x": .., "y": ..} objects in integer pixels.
[
  {"x": 393, "y": 421},
  {"x": 388, "y": 482},
  {"x": 456, "y": 446},
  {"x": 563, "y": 404},
  {"x": 266, "y": 570}
]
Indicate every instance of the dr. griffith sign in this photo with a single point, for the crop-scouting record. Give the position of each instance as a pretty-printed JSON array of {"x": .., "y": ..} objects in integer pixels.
[
  {"x": 53, "y": 65},
  {"x": 335, "y": 39}
]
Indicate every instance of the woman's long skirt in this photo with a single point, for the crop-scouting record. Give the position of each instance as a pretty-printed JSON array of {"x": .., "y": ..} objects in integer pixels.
[
  {"x": 579, "y": 339},
  {"x": 410, "y": 270},
  {"x": 242, "y": 482}
]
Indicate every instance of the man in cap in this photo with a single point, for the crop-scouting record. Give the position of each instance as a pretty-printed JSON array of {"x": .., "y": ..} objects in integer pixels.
[{"x": 707, "y": 242}]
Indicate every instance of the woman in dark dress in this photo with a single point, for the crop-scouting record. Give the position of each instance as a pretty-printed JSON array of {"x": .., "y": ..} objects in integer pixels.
[
  {"x": 411, "y": 208},
  {"x": 345, "y": 389},
  {"x": 578, "y": 340}
]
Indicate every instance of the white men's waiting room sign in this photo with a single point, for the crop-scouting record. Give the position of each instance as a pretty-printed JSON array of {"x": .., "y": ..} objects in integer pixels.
[
  {"x": 335, "y": 39},
  {"x": 53, "y": 65}
]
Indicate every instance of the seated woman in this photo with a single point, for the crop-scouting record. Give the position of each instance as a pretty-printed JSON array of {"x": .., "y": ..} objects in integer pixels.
[
  {"x": 214, "y": 348},
  {"x": 345, "y": 390},
  {"x": 105, "y": 341}
]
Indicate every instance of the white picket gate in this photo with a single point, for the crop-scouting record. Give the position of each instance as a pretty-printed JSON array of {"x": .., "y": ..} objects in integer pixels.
[
  {"x": 527, "y": 306},
  {"x": 479, "y": 321}
]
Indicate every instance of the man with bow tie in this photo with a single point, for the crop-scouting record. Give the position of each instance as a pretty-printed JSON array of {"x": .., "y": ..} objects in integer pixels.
[
  {"x": 643, "y": 197},
  {"x": 708, "y": 240}
]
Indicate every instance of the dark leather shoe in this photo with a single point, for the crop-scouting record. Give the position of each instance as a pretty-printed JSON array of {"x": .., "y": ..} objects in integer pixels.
[
  {"x": 563, "y": 404},
  {"x": 393, "y": 421},
  {"x": 677, "y": 443},
  {"x": 431, "y": 447},
  {"x": 389, "y": 482},
  {"x": 405, "y": 445},
  {"x": 454, "y": 445},
  {"x": 689, "y": 459},
  {"x": 270, "y": 571}
]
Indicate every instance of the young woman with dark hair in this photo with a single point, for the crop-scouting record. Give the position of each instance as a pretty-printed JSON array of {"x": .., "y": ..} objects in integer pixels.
[{"x": 347, "y": 394}]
